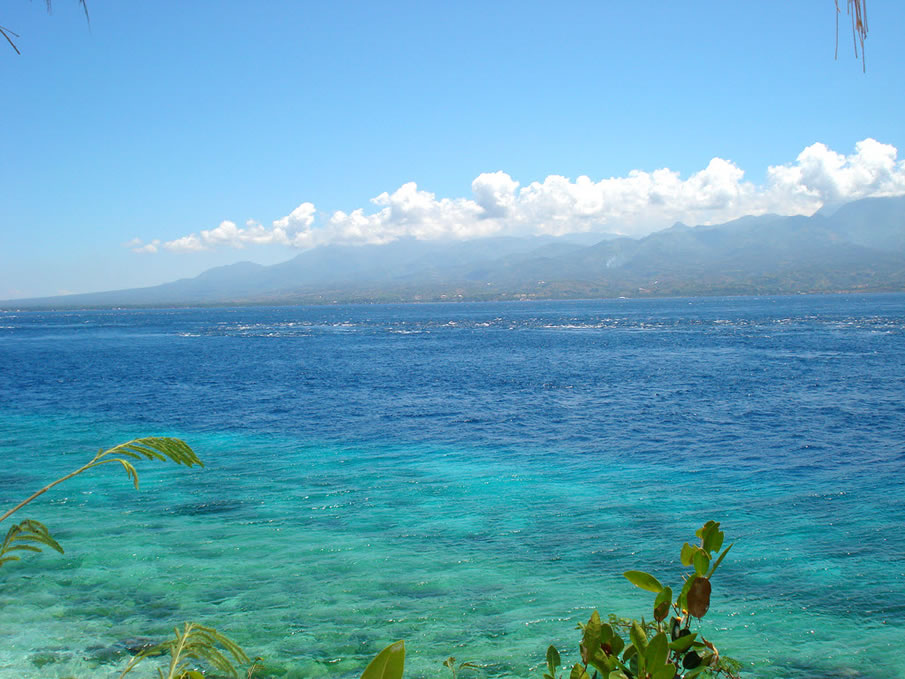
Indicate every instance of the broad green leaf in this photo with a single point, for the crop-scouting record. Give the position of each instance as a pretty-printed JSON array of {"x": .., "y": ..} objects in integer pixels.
[
  {"x": 578, "y": 672},
  {"x": 664, "y": 672},
  {"x": 701, "y": 562},
  {"x": 683, "y": 643},
  {"x": 553, "y": 659},
  {"x": 691, "y": 674},
  {"x": 719, "y": 560},
  {"x": 606, "y": 632},
  {"x": 711, "y": 536},
  {"x": 718, "y": 541},
  {"x": 656, "y": 652},
  {"x": 388, "y": 664},
  {"x": 662, "y": 604},
  {"x": 594, "y": 645},
  {"x": 644, "y": 581},
  {"x": 639, "y": 638},
  {"x": 687, "y": 554},
  {"x": 702, "y": 531},
  {"x": 592, "y": 638}
]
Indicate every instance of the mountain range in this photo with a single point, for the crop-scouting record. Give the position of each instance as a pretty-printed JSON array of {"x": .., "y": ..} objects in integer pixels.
[{"x": 858, "y": 247}]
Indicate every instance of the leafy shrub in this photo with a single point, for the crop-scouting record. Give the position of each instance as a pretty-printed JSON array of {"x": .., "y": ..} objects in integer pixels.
[{"x": 657, "y": 649}]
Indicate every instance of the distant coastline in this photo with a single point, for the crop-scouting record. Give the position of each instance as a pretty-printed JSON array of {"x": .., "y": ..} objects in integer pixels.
[
  {"x": 860, "y": 248},
  {"x": 379, "y": 301}
]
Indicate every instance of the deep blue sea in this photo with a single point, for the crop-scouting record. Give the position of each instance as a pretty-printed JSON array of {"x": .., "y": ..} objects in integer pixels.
[{"x": 472, "y": 478}]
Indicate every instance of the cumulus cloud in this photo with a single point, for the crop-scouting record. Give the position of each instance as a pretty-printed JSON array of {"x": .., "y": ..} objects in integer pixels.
[{"x": 634, "y": 205}]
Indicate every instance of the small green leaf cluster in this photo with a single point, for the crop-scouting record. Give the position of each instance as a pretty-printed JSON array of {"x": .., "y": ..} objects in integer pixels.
[
  {"x": 450, "y": 663},
  {"x": 657, "y": 649}
]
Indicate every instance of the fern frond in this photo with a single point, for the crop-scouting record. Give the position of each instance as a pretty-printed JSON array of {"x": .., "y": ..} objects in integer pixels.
[
  {"x": 195, "y": 643},
  {"x": 149, "y": 448},
  {"x": 156, "y": 448},
  {"x": 25, "y": 532}
]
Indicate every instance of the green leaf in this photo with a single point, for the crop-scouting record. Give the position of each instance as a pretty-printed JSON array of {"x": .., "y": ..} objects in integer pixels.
[
  {"x": 656, "y": 652},
  {"x": 388, "y": 664},
  {"x": 690, "y": 674},
  {"x": 592, "y": 638},
  {"x": 578, "y": 672},
  {"x": 553, "y": 659},
  {"x": 667, "y": 671},
  {"x": 616, "y": 644},
  {"x": 720, "y": 560},
  {"x": 710, "y": 536},
  {"x": 683, "y": 643},
  {"x": 639, "y": 638},
  {"x": 662, "y": 604},
  {"x": 717, "y": 541},
  {"x": 644, "y": 581},
  {"x": 687, "y": 554},
  {"x": 701, "y": 562},
  {"x": 702, "y": 531}
]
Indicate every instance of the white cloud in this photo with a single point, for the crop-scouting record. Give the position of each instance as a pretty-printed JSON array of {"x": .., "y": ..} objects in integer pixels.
[
  {"x": 821, "y": 175},
  {"x": 190, "y": 243},
  {"x": 137, "y": 245},
  {"x": 636, "y": 204}
]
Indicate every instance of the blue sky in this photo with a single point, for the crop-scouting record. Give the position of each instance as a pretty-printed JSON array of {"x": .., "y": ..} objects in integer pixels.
[{"x": 166, "y": 138}]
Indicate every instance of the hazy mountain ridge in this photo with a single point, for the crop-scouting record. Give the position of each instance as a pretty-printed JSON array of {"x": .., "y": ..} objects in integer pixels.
[{"x": 859, "y": 247}]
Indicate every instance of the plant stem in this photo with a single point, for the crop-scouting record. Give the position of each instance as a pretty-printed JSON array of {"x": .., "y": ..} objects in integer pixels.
[{"x": 24, "y": 502}]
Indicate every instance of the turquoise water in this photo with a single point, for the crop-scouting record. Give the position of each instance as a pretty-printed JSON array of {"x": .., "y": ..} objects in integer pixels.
[{"x": 473, "y": 479}]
